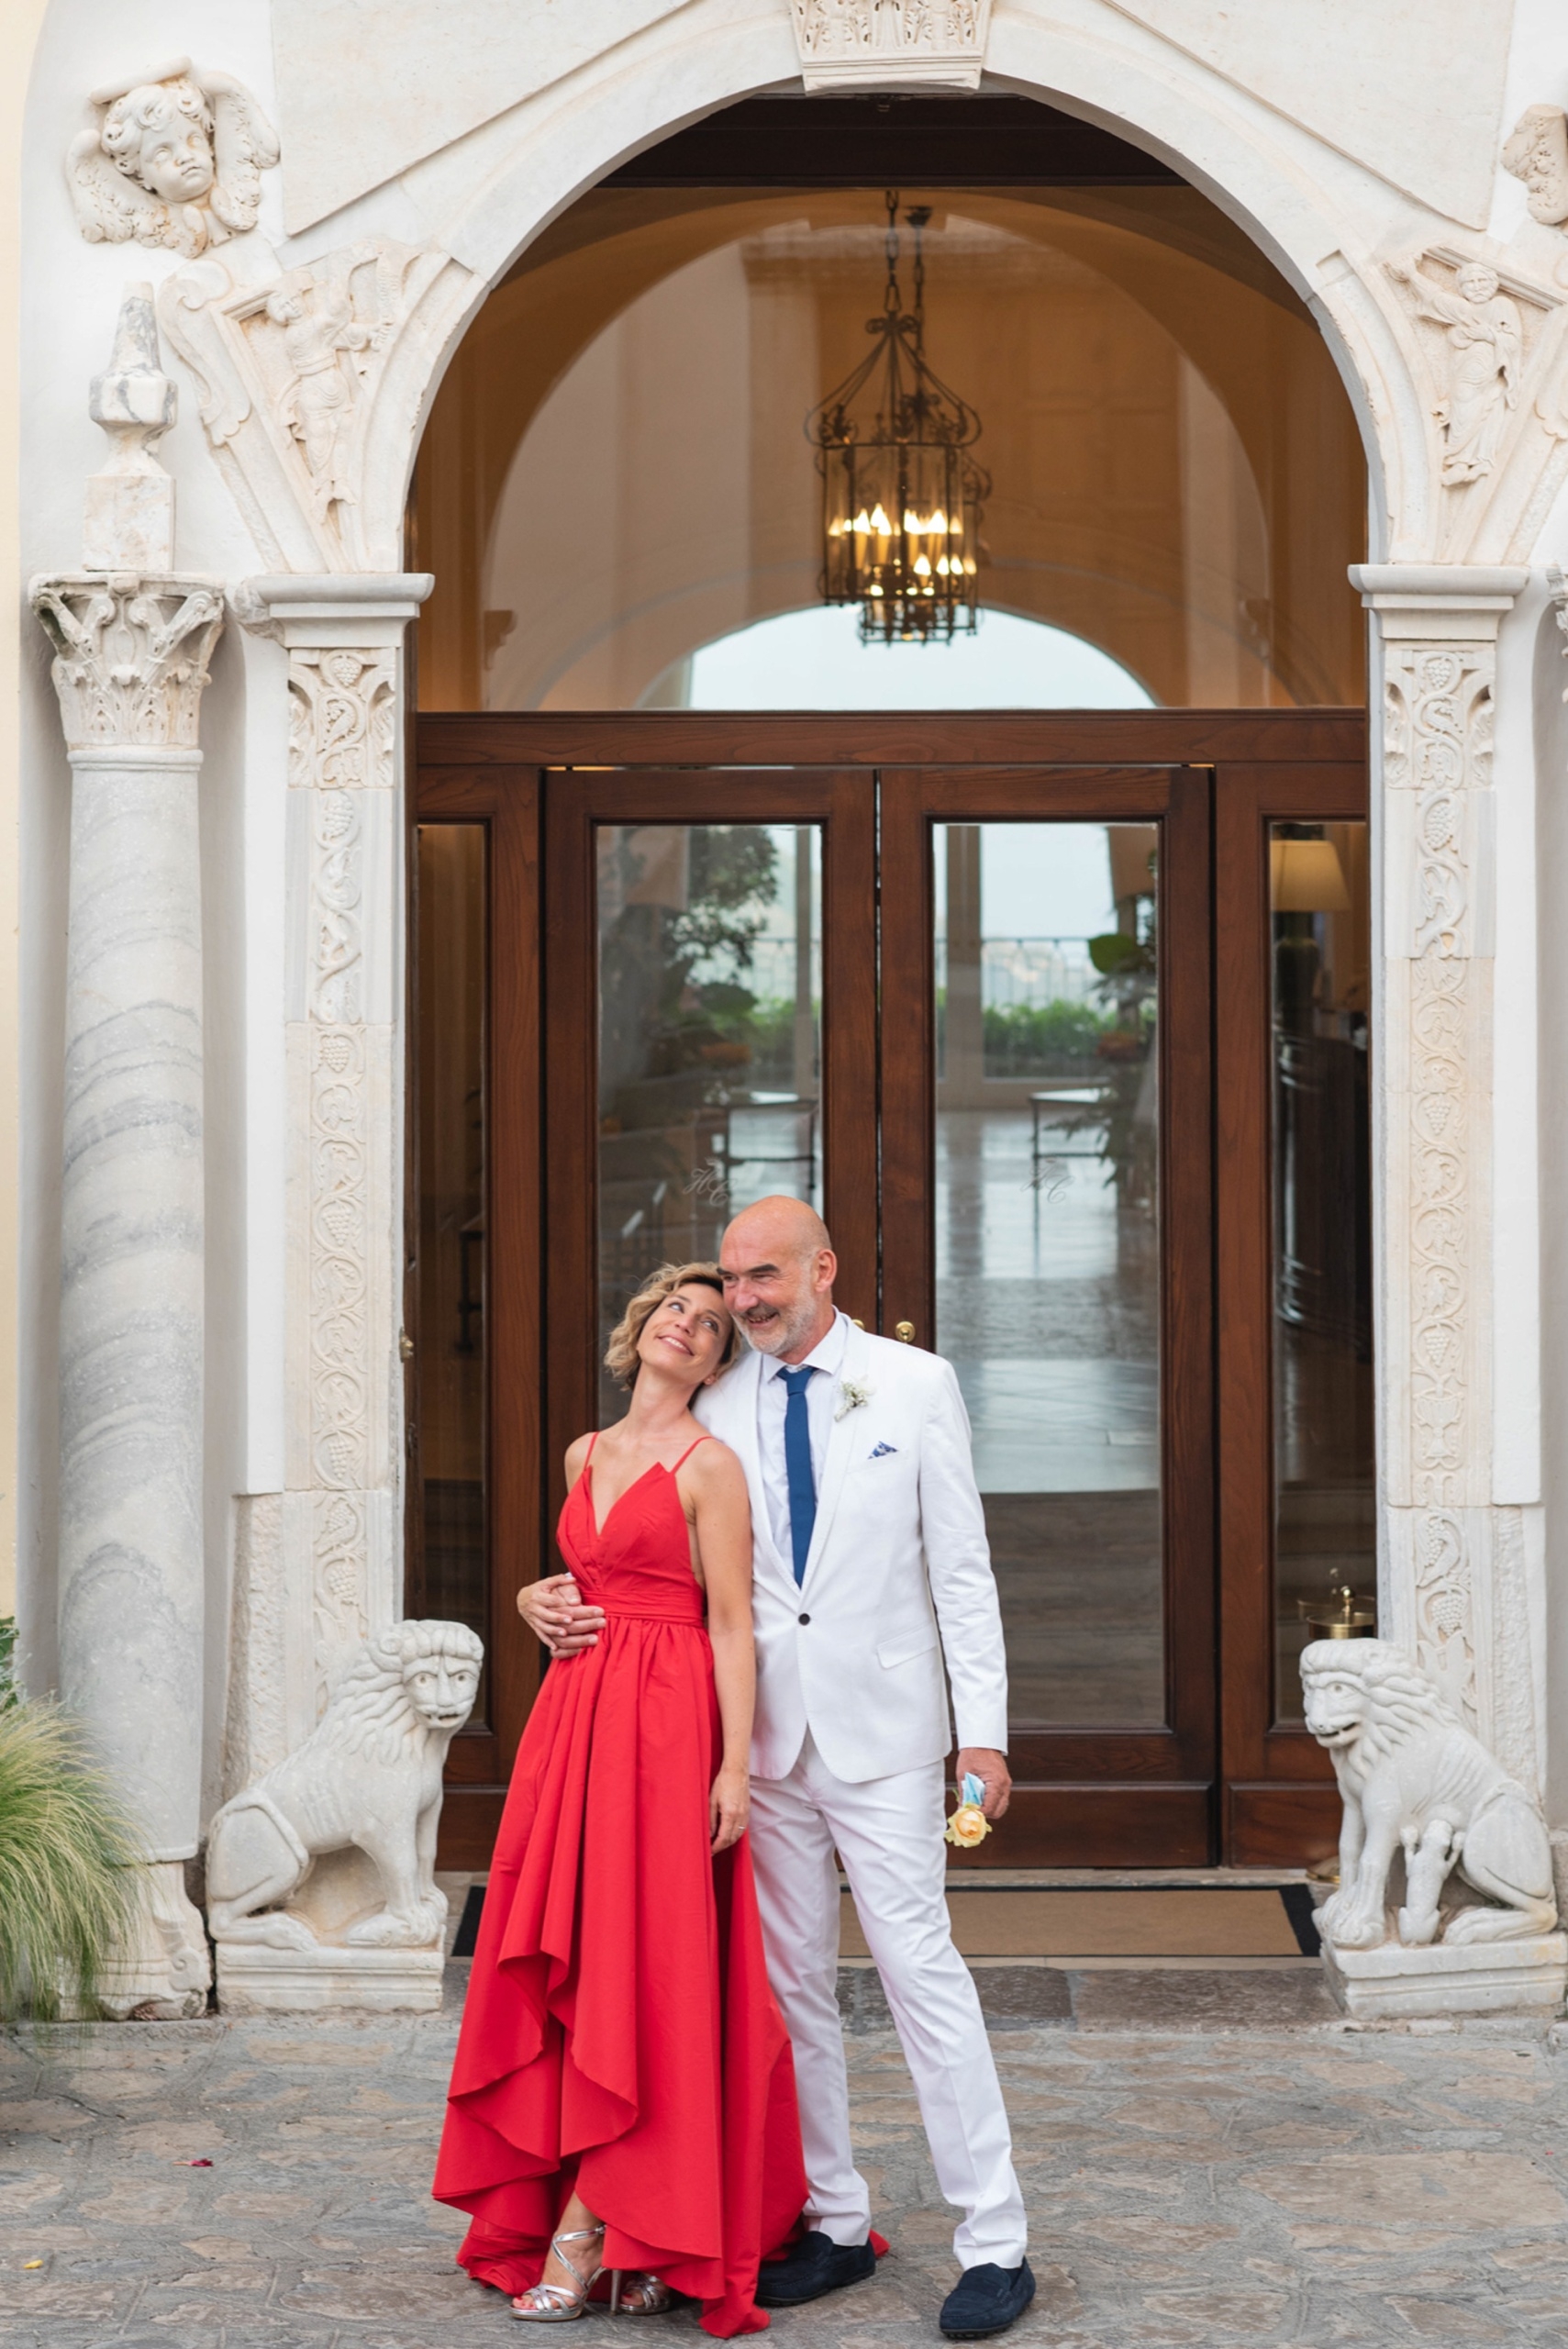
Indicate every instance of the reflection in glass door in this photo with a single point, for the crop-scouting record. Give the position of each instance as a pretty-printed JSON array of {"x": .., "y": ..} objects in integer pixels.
[
  {"x": 1047, "y": 1224},
  {"x": 710, "y": 1021},
  {"x": 1293, "y": 1227},
  {"x": 1048, "y": 1244},
  {"x": 450, "y": 940},
  {"x": 1325, "y": 1528}
]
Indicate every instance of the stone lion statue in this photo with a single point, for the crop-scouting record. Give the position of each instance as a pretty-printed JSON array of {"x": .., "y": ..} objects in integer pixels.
[
  {"x": 369, "y": 1774},
  {"x": 1412, "y": 1777}
]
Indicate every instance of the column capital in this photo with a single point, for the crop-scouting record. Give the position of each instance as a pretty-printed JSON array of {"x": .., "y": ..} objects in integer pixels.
[
  {"x": 331, "y": 607},
  {"x": 130, "y": 657},
  {"x": 1437, "y": 603}
]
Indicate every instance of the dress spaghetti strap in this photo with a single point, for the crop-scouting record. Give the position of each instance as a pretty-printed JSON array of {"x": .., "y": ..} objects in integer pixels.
[{"x": 684, "y": 1456}]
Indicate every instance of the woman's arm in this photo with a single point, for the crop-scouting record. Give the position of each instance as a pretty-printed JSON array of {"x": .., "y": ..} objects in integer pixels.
[
  {"x": 723, "y": 1520},
  {"x": 550, "y": 1607}
]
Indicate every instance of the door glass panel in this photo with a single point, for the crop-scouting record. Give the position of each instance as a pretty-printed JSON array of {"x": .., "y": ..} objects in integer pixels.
[
  {"x": 709, "y": 1039},
  {"x": 1048, "y": 1246},
  {"x": 1325, "y": 1538},
  {"x": 449, "y": 1357}
]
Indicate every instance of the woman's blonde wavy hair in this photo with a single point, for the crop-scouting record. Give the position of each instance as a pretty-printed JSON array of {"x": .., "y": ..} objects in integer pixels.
[{"x": 621, "y": 1357}]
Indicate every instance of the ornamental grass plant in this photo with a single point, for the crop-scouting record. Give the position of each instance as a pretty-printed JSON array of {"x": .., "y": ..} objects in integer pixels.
[{"x": 66, "y": 1856}]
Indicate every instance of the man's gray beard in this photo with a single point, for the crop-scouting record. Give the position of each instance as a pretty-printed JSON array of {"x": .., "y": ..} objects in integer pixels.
[{"x": 782, "y": 1333}]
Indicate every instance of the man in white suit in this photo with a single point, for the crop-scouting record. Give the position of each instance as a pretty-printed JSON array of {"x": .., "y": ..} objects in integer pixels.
[{"x": 871, "y": 1571}]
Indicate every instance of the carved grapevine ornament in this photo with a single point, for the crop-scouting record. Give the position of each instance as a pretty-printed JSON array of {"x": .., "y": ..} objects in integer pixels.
[
  {"x": 341, "y": 748},
  {"x": 1438, "y": 750}
]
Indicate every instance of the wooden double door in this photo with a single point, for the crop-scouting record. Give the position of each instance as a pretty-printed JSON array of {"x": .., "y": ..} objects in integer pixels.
[{"x": 1056, "y": 1020}]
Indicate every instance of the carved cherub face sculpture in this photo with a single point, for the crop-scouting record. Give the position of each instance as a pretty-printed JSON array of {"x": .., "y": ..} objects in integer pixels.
[
  {"x": 159, "y": 134},
  {"x": 172, "y": 159}
]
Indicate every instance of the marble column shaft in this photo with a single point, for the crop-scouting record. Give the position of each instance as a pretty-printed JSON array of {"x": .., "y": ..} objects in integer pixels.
[{"x": 131, "y": 657}]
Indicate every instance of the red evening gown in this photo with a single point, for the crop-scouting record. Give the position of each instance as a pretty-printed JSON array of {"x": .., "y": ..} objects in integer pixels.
[{"x": 621, "y": 2036}]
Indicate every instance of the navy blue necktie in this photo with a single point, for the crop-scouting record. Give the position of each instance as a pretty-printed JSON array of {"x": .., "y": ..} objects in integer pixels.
[{"x": 798, "y": 1468}]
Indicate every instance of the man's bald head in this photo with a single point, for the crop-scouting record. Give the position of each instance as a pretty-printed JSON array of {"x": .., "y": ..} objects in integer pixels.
[
  {"x": 779, "y": 1268},
  {"x": 779, "y": 1222}
]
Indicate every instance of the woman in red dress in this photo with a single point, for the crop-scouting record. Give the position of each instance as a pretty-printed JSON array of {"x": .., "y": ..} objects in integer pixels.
[{"x": 622, "y": 2116}]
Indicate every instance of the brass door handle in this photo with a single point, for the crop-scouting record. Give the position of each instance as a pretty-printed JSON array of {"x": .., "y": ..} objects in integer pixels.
[{"x": 904, "y": 1332}]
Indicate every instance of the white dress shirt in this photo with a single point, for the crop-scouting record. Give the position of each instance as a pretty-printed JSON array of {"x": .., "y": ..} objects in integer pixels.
[{"x": 773, "y": 1395}]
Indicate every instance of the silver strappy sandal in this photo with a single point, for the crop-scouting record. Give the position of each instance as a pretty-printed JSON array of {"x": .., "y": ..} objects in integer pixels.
[
  {"x": 560, "y": 2303},
  {"x": 635, "y": 2291}
]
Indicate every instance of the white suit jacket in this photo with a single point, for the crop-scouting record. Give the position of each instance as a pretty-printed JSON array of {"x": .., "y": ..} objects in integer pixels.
[{"x": 898, "y": 1578}]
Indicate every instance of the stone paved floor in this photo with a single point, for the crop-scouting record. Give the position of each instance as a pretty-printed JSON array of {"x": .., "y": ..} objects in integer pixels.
[{"x": 1210, "y": 2158}]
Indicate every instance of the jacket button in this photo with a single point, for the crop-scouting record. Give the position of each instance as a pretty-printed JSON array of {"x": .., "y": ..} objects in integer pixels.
[{"x": 805, "y": 1619}]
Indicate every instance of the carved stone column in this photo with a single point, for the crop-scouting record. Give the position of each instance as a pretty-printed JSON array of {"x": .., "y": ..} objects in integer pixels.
[
  {"x": 341, "y": 1535},
  {"x": 1455, "y": 1568},
  {"x": 130, "y": 662}
]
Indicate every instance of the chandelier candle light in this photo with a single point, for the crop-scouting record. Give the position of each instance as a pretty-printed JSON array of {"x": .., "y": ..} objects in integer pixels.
[{"x": 901, "y": 496}]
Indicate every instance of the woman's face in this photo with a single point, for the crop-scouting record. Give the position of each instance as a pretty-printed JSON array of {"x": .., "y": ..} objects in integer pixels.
[{"x": 685, "y": 1336}]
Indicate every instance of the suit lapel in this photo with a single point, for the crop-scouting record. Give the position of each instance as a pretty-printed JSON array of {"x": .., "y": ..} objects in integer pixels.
[{"x": 840, "y": 1450}]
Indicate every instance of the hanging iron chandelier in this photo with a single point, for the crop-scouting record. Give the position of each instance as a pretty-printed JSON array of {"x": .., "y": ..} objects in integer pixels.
[{"x": 902, "y": 498}]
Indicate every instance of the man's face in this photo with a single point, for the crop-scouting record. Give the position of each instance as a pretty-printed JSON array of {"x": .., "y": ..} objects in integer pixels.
[{"x": 776, "y": 1291}]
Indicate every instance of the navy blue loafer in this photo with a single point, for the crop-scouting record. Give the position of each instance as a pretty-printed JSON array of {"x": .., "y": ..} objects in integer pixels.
[
  {"x": 985, "y": 2300},
  {"x": 814, "y": 2266}
]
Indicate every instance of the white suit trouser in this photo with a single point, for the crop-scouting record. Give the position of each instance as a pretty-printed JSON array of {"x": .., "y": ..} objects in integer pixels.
[{"x": 888, "y": 1833}]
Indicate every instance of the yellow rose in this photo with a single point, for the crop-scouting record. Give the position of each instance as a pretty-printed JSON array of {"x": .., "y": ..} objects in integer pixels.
[{"x": 968, "y": 1826}]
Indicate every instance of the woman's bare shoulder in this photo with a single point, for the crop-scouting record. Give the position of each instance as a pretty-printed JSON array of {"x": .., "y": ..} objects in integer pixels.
[
  {"x": 714, "y": 1467},
  {"x": 577, "y": 1458}
]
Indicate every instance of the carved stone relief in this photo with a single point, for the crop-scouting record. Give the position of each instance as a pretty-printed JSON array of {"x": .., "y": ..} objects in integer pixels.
[
  {"x": 1487, "y": 343},
  {"x": 1480, "y": 365},
  {"x": 1455, "y": 1562},
  {"x": 255, "y": 1732},
  {"x": 1437, "y": 756},
  {"x": 1536, "y": 153},
  {"x": 290, "y": 373},
  {"x": 340, "y": 742},
  {"x": 845, "y": 43},
  {"x": 131, "y": 656},
  {"x": 173, "y": 158},
  {"x": 341, "y": 1505}
]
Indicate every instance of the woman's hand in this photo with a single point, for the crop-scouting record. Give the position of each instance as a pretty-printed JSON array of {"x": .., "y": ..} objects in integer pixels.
[
  {"x": 729, "y": 1805},
  {"x": 557, "y": 1618}
]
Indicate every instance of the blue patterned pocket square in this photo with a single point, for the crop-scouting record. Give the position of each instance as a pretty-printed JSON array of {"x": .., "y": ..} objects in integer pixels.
[{"x": 883, "y": 1449}]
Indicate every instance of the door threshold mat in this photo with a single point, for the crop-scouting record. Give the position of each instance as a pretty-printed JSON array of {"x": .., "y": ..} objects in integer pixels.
[
  {"x": 1144, "y": 1921},
  {"x": 1147, "y": 1924},
  {"x": 1212, "y": 1998}
]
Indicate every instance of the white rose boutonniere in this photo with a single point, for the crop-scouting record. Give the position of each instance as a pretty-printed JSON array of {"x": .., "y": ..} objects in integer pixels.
[{"x": 851, "y": 1395}]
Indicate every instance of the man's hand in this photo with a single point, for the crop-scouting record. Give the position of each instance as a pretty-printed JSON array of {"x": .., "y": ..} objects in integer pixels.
[
  {"x": 984, "y": 1763},
  {"x": 556, "y": 1617}
]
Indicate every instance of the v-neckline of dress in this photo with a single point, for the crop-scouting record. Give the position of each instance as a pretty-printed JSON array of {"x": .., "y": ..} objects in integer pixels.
[{"x": 599, "y": 1531}]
